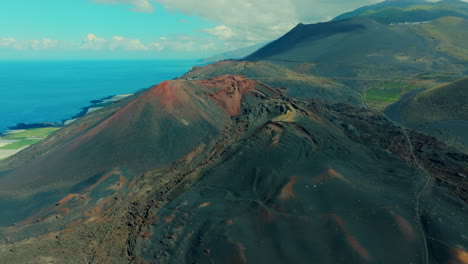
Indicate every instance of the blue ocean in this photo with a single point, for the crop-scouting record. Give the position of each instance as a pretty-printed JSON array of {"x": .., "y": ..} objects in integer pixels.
[{"x": 52, "y": 91}]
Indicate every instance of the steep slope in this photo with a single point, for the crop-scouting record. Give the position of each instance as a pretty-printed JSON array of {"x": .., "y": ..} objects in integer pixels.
[
  {"x": 449, "y": 37},
  {"x": 90, "y": 160},
  {"x": 362, "y": 48},
  {"x": 441, "y": 112},
  {"x": 276, "y": 180},
  {"x": 234, "y": 54},
  {"x": 447, "y": 102},
  {"x": 356, "y": 60},
  {"x": 296, "y": 83},
  {"x": 403, "y": 11}
]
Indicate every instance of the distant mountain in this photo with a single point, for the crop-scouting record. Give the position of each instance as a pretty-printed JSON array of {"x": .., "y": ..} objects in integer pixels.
[
  {"x": 356, "y": 60},
  {"x": 234, "y": 54},
  {"x": 362, "y": 46},
  {"x": 401, "y": 11}
]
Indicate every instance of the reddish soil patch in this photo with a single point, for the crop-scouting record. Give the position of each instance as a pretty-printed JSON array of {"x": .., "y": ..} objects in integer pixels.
[
  {"x": 240, "y": 248},
  {"x": 102, "y": 179},
  {"x": 288, "y": 190},
  {"x": 168, "y": 93},
  {"x": 119, "y": 184},
  {"x": 229, "y": 91},
  {"x": 405, "y": 226},
  {"x": 100, "y": 208},
  {"x": 335, "y": 174},
  {"x": 170, "y": 218},
  {"x": 204, "y": 205},
  {"x": 73, "y": 224},
  {"x": 66, "y": 199},
  {"x": 64, "y": 210},
  {"x": 353, "y": 243},
  {"x": 331, "y": 173},
  {"x": 461, "y": 256}
]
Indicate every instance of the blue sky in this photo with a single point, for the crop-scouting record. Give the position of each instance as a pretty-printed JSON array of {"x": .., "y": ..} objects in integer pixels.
[
  {"x": 67, "y": 19},
  {"x": 62, "y": 26},
  {"x": 150, "y": 29}
]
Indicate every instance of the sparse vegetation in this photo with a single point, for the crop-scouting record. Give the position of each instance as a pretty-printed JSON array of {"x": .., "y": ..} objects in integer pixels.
[
  {"x": 26, "y": 138},
  {"x": 386, "y": 93},
  {"x": 20, "y": 144},
  {"x": 382, "y": 95},
  {"x": 34, "y": 132},
  {"x": 388, "y": 13}
]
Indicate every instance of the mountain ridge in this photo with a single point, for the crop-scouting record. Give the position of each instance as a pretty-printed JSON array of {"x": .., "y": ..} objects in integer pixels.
[{"x": 397, "y": 11}]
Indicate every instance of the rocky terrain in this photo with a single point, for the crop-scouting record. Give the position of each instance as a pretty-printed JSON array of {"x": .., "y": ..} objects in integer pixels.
[{"x": 302, "y": 178}]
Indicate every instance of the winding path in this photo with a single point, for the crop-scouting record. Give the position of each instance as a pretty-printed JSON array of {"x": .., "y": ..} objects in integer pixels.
[{"x": 423, "y": 189}]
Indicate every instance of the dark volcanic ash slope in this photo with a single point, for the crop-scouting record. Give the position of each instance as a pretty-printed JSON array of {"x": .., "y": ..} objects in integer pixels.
[
  {"x": 340, "y": 61},
  {"x": 364, "y": 48},
  {"x": 441, "y": 112},
  {"x": 404, "y": 11},
  {"x": 447, "y": 102},
  {"x": 258, "y": 178},
  {"x": 91, "y": 159}
]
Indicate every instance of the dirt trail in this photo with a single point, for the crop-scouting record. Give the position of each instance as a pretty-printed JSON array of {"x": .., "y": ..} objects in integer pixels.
[{"x": 426, "y": 183}]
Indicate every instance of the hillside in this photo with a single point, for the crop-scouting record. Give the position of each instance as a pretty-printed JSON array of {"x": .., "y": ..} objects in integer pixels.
[
  {"x": 441, "y": 112},
  {"x": 404, "y": 11},
  {"x": 200, "y": 171},
  {"x": 362, "y": 47},
  {"x": 296, "y": 83},
  {"x": 447, "y": 102},
  {"x": 356, "y": 60},
  {"x": 234, "y": 54}
]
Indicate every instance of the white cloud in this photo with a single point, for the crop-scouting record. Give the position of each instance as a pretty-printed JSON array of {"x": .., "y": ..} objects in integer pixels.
[
  {"x": 7, "y": 42},
  {"x": 185, "y": 43},
  {"x": 246, "y": 22},
  {"x": 143, "y": 6},
  {"x": 156, "y": 46},
  {"x": 173, "y": 43},
  {"x": 222, "y": 32},
  {"x": 261, "y": 20},
  {"x": 35, "y": 44},
  {"x": 92, "y": 42}
]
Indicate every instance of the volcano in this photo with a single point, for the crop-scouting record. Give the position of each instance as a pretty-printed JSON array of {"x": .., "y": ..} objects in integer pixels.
[{"x": 232, "y": 170}]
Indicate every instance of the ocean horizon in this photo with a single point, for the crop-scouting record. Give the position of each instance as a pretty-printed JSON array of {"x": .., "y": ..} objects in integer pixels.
[{"x": 35, "y": 91}]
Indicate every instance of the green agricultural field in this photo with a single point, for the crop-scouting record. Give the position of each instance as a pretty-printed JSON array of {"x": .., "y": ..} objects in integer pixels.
[
  {"x": 381, "y": 95},
  {"x": 27, "y": 137},
  {"x": 34, "y": 132},
  {"x": 386, "y": 93},
  {"x": 20, "y": 144}
]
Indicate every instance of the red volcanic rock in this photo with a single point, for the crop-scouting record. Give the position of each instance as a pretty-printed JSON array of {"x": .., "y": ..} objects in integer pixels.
[
  {"x": 353, "y": 242},
  {"x": 229, "y": 91},
  {"x": 288, "y": 190},
  {"x": 169, "y": 93},
  {"x": 404, "y": 226}
]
